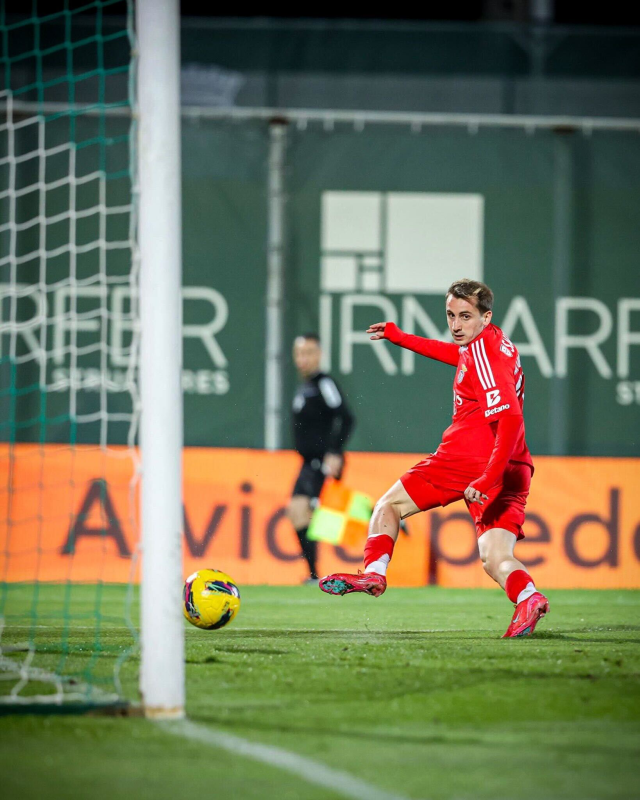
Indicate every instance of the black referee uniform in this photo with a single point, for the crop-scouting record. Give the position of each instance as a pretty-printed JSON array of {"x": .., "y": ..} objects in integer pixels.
[{"x": 322, "y": 423}]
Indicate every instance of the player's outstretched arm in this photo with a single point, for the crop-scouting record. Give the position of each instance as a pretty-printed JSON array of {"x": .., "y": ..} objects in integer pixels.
[{"x": 431, "y": 348}]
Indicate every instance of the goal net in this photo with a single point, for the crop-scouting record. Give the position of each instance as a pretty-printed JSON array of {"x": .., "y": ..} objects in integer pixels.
[{"x": 68, "y": 354}]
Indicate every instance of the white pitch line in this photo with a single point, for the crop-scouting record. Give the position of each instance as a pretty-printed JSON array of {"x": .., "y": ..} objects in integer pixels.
[{"x": 306, "y": 768}]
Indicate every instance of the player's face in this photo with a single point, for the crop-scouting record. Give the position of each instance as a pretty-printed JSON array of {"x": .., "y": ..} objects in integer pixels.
[
  {"x": 306, "y": 356},
  {"x": 465, "y": 320}
]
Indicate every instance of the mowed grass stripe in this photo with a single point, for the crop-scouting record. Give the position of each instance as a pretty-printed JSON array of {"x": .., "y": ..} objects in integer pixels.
[
  {"x": 413, "y": 692},
  {"x": 306, "y": 768}
]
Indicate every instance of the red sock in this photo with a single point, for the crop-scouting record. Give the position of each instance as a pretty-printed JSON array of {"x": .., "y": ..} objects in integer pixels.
[
  {"x": 516, "y": 583},
  {"x": 376, "y": 547}
]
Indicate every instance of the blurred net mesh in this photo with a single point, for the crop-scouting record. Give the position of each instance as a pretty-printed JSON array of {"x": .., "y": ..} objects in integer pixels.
[{"x": 68, "y": 344}]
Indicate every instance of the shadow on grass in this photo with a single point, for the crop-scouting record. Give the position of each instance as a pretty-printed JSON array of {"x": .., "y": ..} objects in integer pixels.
[
  {"x": 77, "y": 651},
  {"x": 431, "y": 635},
  {"x": 351, "y": 634},
  {"x": 235, "y": 708},
  {"x": 396, "y": 737},
  {"x": 267, "y": 651},
  {"x": 597, "y": 640},
  {"x": 318, "y": 730}
]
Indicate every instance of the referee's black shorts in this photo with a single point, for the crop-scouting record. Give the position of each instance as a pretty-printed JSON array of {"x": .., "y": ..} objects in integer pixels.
[{"x": 310, "y": 479}]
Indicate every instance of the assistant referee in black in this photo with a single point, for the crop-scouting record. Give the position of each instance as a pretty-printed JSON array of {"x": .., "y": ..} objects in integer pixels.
[{"x": 322, "y": 424}]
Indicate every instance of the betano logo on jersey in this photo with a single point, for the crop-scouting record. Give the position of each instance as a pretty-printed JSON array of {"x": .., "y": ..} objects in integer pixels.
[
  {"x": 382, "y": 251},
  {"x": 493, "y": 398},
  {"x": 491, "y": 411}
]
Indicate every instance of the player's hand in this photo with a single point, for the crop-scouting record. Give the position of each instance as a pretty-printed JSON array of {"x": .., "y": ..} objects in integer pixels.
[
  {"x": 377, "y": 329},
  {"x": 474, "y": 495},
  {"x": 332, "y": 465}
]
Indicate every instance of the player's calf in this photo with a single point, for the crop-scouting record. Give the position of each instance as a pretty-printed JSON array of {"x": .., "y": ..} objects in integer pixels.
[
  {"x": 496, "y": 552},
  {"x": 389, "y": 511}
]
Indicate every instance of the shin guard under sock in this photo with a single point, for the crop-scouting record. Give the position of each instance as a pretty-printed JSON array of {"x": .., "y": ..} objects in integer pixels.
[
  {"x": 519, "y": 586},
  {"x": 377, "y": 553}
]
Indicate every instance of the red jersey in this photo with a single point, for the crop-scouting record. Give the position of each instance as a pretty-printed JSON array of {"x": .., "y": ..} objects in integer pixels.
[{"x": 489, "y": 384}]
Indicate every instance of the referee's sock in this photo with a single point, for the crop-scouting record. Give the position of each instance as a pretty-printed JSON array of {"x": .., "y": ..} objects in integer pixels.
[
  {"x": 377, "y": 553},
  {"x": 309, "y": 551}
]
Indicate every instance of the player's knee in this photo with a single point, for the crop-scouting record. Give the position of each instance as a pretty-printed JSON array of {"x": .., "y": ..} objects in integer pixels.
[
  {"x": 487, "y": 564},
  {"x": 497, "y": 565},
  {"x": 385, "y": 504},
  {"x": 380, "y": 505},
  {"x": 391, "y": 499},
  {"x": 491, "y": 564}
]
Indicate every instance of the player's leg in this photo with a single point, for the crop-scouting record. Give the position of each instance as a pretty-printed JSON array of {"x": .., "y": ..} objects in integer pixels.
[
  {"x": 496, "y": 548},
  {"x": 384, "y": 526},
  {"x": 499, "y": 525},
  {"x": 395, "y": 505}
]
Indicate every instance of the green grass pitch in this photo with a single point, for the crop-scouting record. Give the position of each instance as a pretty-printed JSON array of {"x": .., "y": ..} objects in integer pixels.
[{"x": 414, "y": 692}]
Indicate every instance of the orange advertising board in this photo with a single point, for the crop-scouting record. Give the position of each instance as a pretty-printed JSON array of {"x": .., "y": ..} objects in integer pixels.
[{"x": 70, "y": 514}]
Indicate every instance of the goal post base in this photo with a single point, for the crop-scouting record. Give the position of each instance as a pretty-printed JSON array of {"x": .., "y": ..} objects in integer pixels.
[{"x": 158, "y": 713}]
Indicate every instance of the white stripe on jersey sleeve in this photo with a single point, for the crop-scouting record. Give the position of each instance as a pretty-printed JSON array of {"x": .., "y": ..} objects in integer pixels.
[
  {"x": 519, "y": 383},
  {"x": 330, "y": 392},
  {"x": 492, "y": 381},
  {"x": 479, "y": 366}
]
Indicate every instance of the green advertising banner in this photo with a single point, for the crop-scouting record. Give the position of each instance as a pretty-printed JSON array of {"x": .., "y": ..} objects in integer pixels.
[
  {"x": 378, "y": 220},
  {"x": 71, "y": 314},
  {"x": 224, "y": 223},
  {"x": 382, "y": 220}
]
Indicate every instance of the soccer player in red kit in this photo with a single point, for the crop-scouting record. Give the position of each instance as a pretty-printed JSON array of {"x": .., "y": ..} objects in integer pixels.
[{"x": 483, "y": 457}]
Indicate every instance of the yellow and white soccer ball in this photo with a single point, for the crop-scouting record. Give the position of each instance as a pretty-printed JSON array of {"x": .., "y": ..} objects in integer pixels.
[{"x": 211, "y": 599}]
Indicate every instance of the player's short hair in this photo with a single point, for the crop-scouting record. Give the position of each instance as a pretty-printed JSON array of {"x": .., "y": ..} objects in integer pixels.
[
  {"x": 466, "y": 289},
  {"x": 312, "y": 337}
]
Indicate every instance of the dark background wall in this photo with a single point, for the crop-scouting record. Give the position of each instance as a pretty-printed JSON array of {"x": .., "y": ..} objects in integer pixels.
[{"x": 559, "y": 226}]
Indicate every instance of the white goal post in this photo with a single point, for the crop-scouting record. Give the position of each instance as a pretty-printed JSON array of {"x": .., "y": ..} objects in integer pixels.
[{"x": 162, "y": 681}]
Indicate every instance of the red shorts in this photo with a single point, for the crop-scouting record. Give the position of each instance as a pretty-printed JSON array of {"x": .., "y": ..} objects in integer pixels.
[{"x": 426, "y": 484}]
